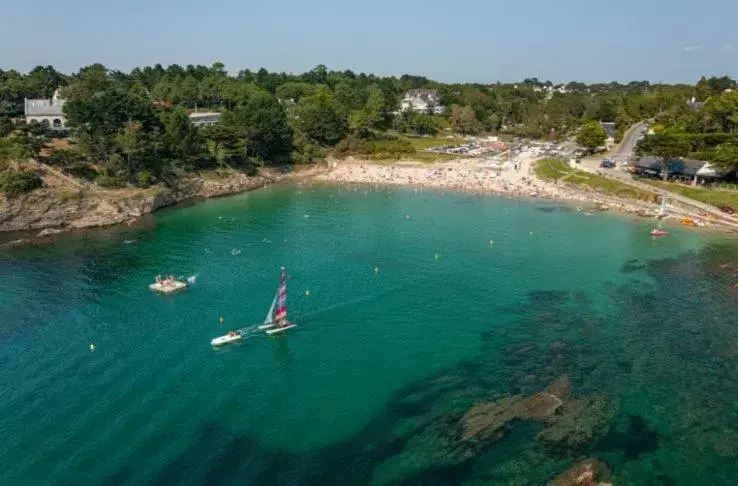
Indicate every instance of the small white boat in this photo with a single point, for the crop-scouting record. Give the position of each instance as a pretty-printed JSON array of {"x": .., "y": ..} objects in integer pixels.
[
  {"x": 276, "y": 319},
  {"x": 167, "y": 286},
  {"x": 226, "y": 339}
]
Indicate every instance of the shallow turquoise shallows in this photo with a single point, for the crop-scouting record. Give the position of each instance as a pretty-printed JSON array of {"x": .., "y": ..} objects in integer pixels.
[{"x": 411, "y": 305}]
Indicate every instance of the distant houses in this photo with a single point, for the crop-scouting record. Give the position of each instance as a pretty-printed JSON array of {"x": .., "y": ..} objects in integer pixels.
[
  {"x": 47, "y": 111},
  {"x": 423, "y": 101},
  {"x": 551, "y": 90}
]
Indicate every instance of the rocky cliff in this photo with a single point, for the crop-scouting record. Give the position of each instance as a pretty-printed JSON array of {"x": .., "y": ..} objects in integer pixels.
[{"x": 59, "y": 208}]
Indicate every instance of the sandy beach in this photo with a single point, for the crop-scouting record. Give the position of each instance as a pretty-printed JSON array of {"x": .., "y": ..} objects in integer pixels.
[{"x": 473, "y": 175}]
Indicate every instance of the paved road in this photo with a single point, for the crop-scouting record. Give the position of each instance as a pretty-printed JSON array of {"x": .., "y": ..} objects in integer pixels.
[
  {"x": 630, "y": 139},
  {"x": 622, "y": 153}
]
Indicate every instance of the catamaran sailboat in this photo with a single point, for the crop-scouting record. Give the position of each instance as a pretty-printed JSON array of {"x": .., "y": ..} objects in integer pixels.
[{"x": 276, "y": 319}]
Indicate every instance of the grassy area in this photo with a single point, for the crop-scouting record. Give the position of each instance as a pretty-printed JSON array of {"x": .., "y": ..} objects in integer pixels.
[
  {"x": 391, "y": 148},
  {"x": 552, "y": 169},
  {"x": 558, "y": 170},
  {"x": 715, "y": 197}
]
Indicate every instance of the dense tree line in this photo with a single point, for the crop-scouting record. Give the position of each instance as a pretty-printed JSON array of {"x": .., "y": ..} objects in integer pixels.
[{"x": 134, "y": 128}]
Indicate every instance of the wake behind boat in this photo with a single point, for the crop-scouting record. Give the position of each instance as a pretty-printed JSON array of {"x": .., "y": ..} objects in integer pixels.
[
  {"x": 167, "y": 285},
  {"x": 276, "y": 319}
]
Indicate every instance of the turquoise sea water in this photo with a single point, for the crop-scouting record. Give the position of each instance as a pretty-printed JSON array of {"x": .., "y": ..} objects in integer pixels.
[{"x": 413, "y": 314}]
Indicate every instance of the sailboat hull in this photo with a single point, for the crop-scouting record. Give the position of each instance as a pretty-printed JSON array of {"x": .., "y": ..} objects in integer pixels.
[
  {"x": 267, "y": 326},
  {"x": 277, "y": 330},
  {"x": 220, "y": 341}
]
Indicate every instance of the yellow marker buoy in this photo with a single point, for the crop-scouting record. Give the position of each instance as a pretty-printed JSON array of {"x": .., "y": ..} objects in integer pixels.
[
  {"x": 307, "y": 293},
  {"x": 92, "y": 347}
]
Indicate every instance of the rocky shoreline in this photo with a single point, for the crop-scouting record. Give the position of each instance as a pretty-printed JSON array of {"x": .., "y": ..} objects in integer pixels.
[{"x": 53, "y": 210}]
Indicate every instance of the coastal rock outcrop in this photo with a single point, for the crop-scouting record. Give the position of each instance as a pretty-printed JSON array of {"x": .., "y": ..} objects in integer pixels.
[
  {"x": 569, "y": 423},
  {"x": 76, "y": 207},
  {"x": 591, "y": 472}
]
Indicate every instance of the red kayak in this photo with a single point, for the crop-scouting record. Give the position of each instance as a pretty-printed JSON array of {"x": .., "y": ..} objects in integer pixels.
[{"x": 658, "y": 232}]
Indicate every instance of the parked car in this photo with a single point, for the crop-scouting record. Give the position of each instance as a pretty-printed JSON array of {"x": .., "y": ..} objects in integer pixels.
[
  {"x": 726, "y": 209},
  {"x": 607, "y": 164}
]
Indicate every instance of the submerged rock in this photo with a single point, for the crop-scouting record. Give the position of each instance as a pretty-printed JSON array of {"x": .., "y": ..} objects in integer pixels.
[
  {"x": 569, "y": 424},
  {"x": 578, "y": 423},
  {"x": 487, "y": 422},
  {"x": 591, "y": 472}
]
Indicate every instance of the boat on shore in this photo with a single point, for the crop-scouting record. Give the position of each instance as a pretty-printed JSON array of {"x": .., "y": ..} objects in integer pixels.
[
  {"x": 276, "y": 319},
  {"x": 168, "y": 285}
]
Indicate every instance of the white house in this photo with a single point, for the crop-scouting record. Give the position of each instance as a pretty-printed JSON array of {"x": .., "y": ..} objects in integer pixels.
[
  {"x": 422, "y": 101},
  {"x": 50, "y": 111}
]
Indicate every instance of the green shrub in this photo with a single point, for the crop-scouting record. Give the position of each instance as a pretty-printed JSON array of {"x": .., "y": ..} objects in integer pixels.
[
  {"x": 144, "y": 178},
  {"x": 378, "y": 147},
  {"x": 110, "y": 182},
  {"x": 64, "y": 158},
  {"x": 16, "y": 182},
  {"x": 82, "y": 170}
]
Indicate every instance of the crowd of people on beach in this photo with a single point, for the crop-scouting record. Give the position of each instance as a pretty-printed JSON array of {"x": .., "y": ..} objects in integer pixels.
[{"x": 471, "y": 175}]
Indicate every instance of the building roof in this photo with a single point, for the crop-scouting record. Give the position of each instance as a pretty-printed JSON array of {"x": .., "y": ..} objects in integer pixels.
[
  {"x": 423, "y": 94},
  {"x": 44, "y": 107},
  {"x": 202, "y": 118},
  {"x": 683, "y": 167}
]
